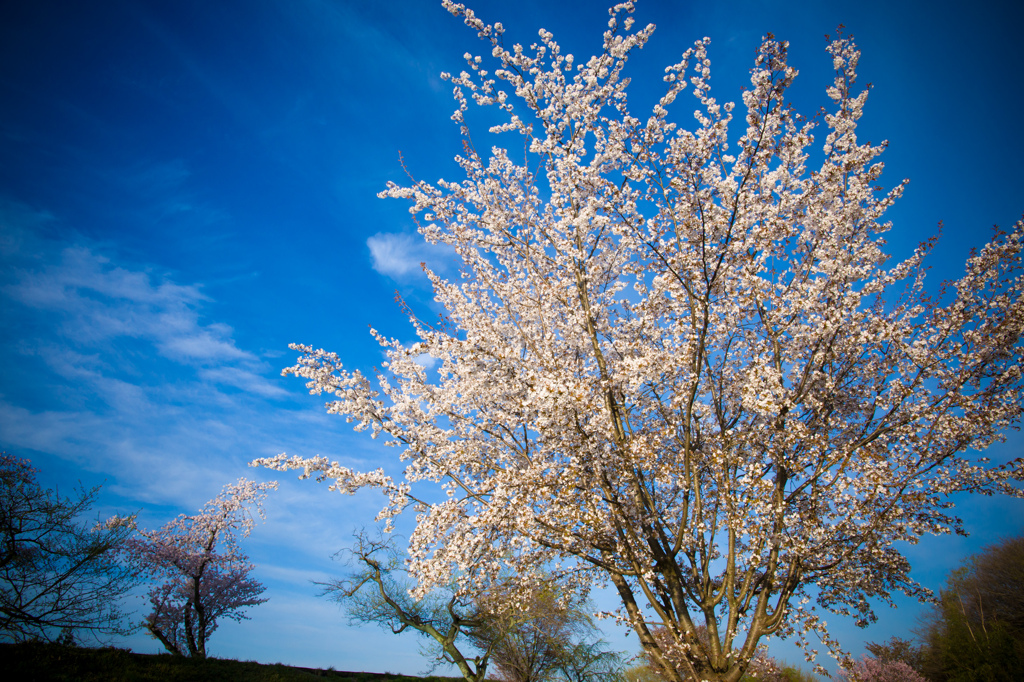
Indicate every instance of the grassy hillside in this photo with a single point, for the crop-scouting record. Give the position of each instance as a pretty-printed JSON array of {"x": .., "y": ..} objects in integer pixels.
[{"x": 39, "y": 662}]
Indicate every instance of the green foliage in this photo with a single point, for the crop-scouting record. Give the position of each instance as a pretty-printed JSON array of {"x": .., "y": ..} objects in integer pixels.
[
  {"x": 962, "y": 651},
  {"x": 792, "y": 673},
  {"x": 588, "y": 661},
  {"x": 545, "y": 637},
  {"x": 377, "y": 592},
  {"x": 641, "y": 673},
  {"x": 976, "y": 631}
]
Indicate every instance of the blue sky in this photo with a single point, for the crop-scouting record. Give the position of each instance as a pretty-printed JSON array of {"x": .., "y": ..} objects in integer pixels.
[{"x": 186, "y": 187}]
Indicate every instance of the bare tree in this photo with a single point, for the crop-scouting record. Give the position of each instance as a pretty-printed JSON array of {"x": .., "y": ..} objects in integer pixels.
[
  {"x": 518, "y": 635},
  {"x": 59, "y": 575},
  {"x": 589, "y": 661},
  {"x": 377, "y": 592}
]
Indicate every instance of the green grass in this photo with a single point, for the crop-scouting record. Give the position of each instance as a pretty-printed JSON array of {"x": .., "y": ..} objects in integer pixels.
[{"x": 41, "y": 662}]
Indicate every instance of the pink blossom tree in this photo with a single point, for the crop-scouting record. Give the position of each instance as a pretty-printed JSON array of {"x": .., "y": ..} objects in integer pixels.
[
  {"x": 679, "y": 361},
  {"x": 872, "y": 670},
  {"x": 203, "y": 575}
]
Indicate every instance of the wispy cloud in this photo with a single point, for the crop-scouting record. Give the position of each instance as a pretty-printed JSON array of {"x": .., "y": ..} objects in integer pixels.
[
  {"x": 244, "y": 380},
  {"x": 18, "y": 223},
  {"x": 98, "y": 301},
  {"x": 401, "y": 255},
  {"x": 117, "y": 368},
  {"x": 91, "y": 371},
  {"x": 195, "y": 343}
]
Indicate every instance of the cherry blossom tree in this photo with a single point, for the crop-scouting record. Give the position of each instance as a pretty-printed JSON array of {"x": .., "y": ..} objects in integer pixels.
[
  {"x": 897, "y": 650},
  {"x": 203, "y": 575},
  {"x": 872, "y": 670},
  {"x": 677, "y": 360}
]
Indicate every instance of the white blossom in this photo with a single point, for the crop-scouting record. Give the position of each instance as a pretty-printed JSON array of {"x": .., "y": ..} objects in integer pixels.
[{"x": 690, "y": 373}]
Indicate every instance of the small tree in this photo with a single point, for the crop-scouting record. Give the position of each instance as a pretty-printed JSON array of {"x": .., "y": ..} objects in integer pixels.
[
  {"x": 589, "y": 661},
  {"x": 873, "y": 670},
  {"x": 641, "y": 673},
  {"x": 794, "y": 673},
  {"x": 521, "y": 636},
  {"x": 203, "y": 574},
  {"x": 897, "y": 650},
  {"x": 58, "y": 575},
  {"x": 377, "y": 592},
  {"x": 546, "y": 635}
]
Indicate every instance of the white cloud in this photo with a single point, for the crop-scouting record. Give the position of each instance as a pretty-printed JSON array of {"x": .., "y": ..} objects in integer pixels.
[
  {"x": 209, "y": 344},
  {"x": 396, "y": 255},
  {"x": 118, "y": 374},
  {"x": 60, "y": 433},
  {"x": 400, "y": 255},
  {"x": 91, "y": 371},
  {"x": 79, "y": 270},
  {"x": 99, "y": 302},
  {"x": 245, "y": 380},
  {"x": 116, "y": 370},
  {"x": 426, "y": 361}
]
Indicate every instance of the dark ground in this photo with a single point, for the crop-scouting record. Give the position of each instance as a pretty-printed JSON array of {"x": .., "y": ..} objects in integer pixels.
[{"x": 42, "y": 662}]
